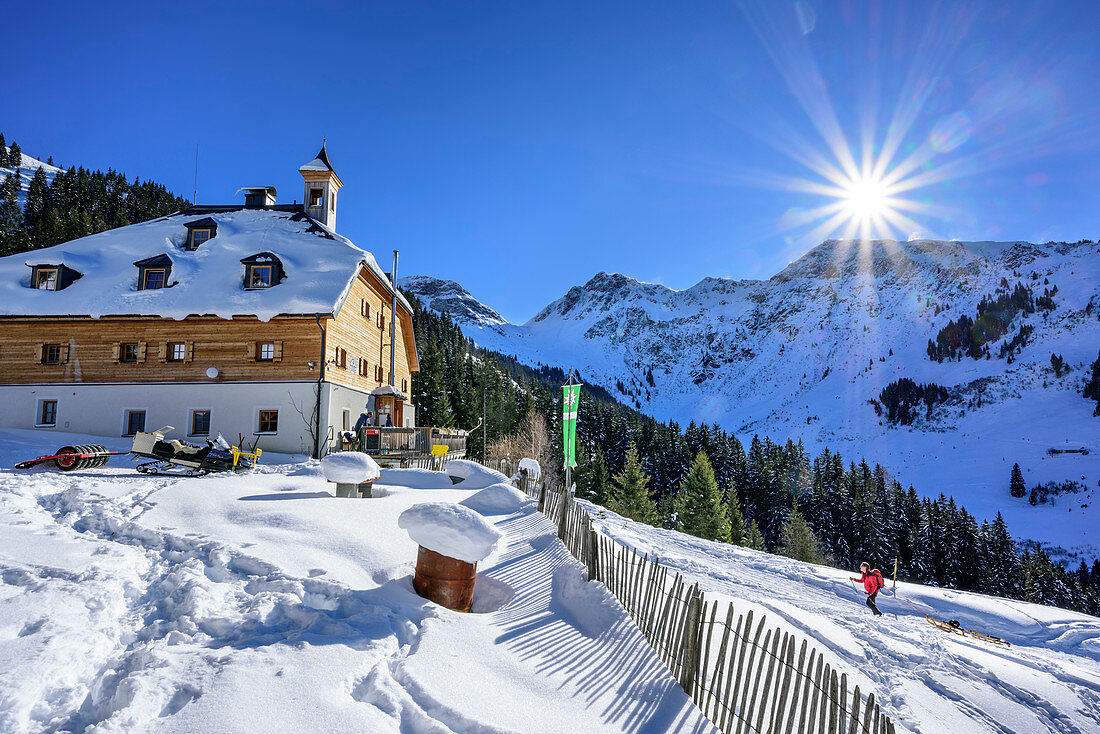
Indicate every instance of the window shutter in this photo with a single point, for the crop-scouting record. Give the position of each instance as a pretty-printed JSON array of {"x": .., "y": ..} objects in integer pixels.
[
  {"x": 141, "y": 352},
  {"x": 278, "y": 356},
  {"x": 363, "y": 306},
  {"x": 189, "y": 352},
  {"x": 64, "y": 356},
  {"x": 115, "y": 349},
  {"x": 252, "y": 351},
  {"x": 162, "y": 351},
  {"x": 38, "y": 353}
]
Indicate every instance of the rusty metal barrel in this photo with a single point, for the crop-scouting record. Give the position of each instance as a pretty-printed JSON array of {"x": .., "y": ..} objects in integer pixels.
[{"x": 447, "y": 581}]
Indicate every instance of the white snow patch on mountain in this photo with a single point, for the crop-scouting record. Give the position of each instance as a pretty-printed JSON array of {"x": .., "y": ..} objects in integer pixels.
[{"x": 27, "y": 169}]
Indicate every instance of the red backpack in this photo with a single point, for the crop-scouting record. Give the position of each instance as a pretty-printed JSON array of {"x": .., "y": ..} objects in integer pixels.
[{"x": 880, "y": 584}]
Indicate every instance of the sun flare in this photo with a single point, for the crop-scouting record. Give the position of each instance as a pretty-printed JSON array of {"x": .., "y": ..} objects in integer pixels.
[{"x": 866, "y": 198}]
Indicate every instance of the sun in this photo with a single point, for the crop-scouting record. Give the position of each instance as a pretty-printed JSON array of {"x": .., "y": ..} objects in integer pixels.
[{"x": 866, "y": 198}]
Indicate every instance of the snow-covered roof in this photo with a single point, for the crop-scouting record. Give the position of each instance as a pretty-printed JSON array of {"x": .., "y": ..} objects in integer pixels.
[
  {"x": 387, "y": 390},
  {"x": 319, "y": 264}
]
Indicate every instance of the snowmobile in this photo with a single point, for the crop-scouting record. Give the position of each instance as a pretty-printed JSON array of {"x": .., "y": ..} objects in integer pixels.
[{"x": 179, "y": 458}]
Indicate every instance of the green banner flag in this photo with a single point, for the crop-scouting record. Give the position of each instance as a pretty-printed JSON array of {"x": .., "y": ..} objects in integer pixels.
[{"x": 571, "y": 400}]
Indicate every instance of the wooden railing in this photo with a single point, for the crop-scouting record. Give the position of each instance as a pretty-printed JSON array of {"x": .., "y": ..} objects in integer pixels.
[{"x": 744, "y": 675}]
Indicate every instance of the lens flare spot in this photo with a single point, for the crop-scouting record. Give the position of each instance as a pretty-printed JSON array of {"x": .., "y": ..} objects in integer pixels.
[
  {"x": 950, "y": 132},
  {"x": 807, "y": 18}
]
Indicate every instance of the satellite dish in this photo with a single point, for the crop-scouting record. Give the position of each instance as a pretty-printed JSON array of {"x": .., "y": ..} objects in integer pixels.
[{"x": 211, "y": 372}]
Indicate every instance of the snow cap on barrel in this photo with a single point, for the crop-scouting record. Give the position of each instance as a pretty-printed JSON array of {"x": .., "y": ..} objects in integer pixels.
[{"x": 450, "y": 530}]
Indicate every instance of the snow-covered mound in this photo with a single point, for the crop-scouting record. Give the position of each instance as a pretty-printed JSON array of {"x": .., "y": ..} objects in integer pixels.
[
  {"x": 472, "y": 475},
  {"x": 349, "y": 467},
  {"x": 258, "y": 603},
  {"x": 800, "y": 356},
  {"x": 927, "y": 680},
  {"x": 498, "y": 499},
  {"x": 450, "y": 530}
]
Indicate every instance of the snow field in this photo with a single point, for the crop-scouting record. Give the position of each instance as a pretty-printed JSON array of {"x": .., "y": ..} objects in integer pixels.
[
  {"x": 926, "y": 680},
  {"x": 260, "y": 602}
]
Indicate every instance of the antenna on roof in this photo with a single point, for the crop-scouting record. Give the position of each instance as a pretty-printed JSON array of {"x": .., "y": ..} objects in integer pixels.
[{"x": 195, "y": 197}]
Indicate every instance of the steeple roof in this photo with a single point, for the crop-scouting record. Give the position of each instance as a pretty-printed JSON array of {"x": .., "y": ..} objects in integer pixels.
[{"x": 320, "y": 163}]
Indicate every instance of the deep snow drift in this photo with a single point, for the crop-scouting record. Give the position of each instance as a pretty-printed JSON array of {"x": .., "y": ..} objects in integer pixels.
[{"x": 261, "y": 602}]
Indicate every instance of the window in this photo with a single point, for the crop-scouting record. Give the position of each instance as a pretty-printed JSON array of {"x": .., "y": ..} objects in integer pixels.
[
  {"x": 378, "y": 373},
  {"x": 364, "y": 367},
  {"x": 198, "y": 236},
  {"x": 267, "y": 421},
  {"x": 346, "y": 420},
  {"x": 265, "y": 352},
  {"x": 154, "y": 278},
  {"x": 259, "y": 276},
  {"x": 316, "y": 197},
  {"x": 176, "y": 352},
  {"x": 128, "y": 353},
  {"x": 340, "y": 358},
  {"x": 135, "y": 422},
  {"x": 404, "y": 386},
  {"x": 200, "y": 422},
  {"x": 47, "y": 413},
  {"x": 364, "y": 308},
  {"x": 51, "y": 354},
  {"x": 332, "y": 202},
  {"x": 46, "y": 279}
]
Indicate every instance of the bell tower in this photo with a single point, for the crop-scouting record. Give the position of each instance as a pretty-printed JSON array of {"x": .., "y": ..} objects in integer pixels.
[{"x": 321, "y": 185}]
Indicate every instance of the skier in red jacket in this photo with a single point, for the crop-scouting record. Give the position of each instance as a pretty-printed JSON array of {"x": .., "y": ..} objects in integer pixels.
[{"x": 872, "y": 582}]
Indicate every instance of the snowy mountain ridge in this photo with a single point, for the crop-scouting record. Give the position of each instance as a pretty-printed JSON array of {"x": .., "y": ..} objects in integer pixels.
[{"x": 805, "y": 353}]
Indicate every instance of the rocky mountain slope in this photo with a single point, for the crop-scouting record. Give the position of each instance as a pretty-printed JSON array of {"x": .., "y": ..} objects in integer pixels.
[{"x": 806, "y": 353}]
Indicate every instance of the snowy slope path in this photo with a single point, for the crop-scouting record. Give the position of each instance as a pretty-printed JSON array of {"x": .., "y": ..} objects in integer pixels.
[
  {"x": 260, "y": 603},
  {"x": 930, "y": 681}
]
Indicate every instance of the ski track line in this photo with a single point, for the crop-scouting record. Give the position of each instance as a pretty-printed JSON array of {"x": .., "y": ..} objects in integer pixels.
[{"x": 259, "y": 605}]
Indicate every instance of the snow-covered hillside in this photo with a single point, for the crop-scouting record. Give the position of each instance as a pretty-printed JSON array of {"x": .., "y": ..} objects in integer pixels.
[
  {"x": 447, "y": 296},
  {"x": 26, "y": 172},
  {"x": 927, "y": 680},
  {"x": 801, "y": 355},
  {"x": 262, "y": 603}
]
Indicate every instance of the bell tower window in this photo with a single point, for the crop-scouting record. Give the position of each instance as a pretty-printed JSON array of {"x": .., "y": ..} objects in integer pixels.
[{"x": 316, "y": 196}]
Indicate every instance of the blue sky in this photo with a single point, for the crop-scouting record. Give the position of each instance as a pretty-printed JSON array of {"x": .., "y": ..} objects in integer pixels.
[{"x": 521, "y": 147}]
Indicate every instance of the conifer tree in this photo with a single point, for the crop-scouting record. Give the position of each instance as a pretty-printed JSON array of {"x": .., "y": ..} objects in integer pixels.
[
  {"x": 15, "y": 155},
  {"x": 13, "y": 238},
  {"x": 754, "y": 539},
  {"x": 1092, "y": 387},
  {"x": 736, "y": 521},
  {"x": 629, "y": 497},
  {"x": 1016, "y": 486},
  {"x": 797, "y": 540},
  {"x": 699, "y": 508}
]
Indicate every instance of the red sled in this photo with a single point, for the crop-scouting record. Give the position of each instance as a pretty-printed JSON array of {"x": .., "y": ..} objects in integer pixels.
[{"x": 71, "y": 458}]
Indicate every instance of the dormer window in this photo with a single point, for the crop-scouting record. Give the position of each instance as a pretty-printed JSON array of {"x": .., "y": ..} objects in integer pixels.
[
  {"x": 154, "y": 278},
  {"x": 50, "y": 277},
  {"x": 46, "y": 279},
  {"x": 262, "y": 270},
  {"x": 259, "y": 276},
  {"x": 153, "y": 272},
  {"x": 199, "y": 232}
]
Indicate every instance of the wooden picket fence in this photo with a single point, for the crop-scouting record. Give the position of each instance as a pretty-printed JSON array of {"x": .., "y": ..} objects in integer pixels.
[{"x": 744, "y": 675}]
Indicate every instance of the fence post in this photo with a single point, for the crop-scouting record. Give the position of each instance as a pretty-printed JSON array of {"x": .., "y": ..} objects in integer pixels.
[
  {"x": 542, "y": 499},
  {"x": 690, "y": 639},
  {"x": 593, "y": 554}
]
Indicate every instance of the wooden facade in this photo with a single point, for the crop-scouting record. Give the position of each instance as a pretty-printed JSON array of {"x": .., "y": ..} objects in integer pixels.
[{"x": 92, "y": 350}]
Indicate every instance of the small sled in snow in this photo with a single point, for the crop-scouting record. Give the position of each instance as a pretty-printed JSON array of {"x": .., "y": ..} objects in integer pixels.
[
  {"x": 71, "y": 458},
  {"x": 953, "y": 626},
  {"x": 181, "y": 459}
]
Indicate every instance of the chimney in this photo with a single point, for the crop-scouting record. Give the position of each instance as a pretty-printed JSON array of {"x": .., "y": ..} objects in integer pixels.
[{"x": 258, "y": 197}]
